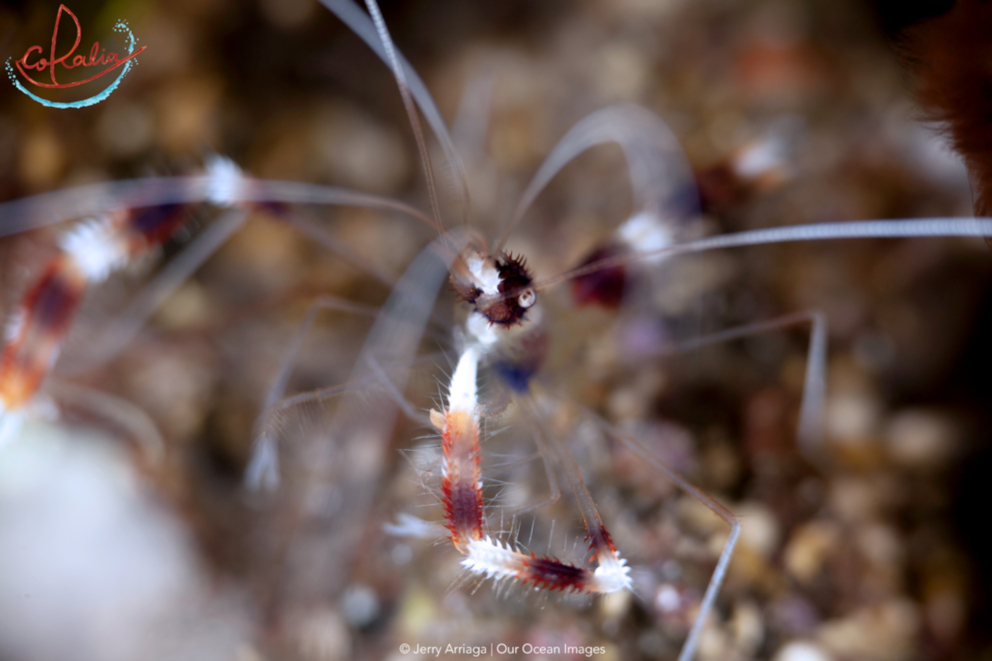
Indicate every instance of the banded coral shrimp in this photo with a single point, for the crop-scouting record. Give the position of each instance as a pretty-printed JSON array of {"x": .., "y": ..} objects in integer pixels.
[
  {"x": 324, "y": 619},
  {"x": 479, "y": 287}
]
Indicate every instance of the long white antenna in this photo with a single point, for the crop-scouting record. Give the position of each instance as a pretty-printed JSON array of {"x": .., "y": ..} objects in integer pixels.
[{"x": 366, "y": 30}]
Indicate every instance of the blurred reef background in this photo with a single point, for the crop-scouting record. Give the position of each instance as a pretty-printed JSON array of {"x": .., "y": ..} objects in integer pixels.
[{"x": 882, "y": 556}]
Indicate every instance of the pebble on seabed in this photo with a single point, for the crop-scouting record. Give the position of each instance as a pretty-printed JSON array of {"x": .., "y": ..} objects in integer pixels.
[
  {"x": 882, "y": 632},
  {"x": 747, "y": 623},
  {"x": 920, "y": 438},
  {"x": 808, "y": 549},
  {"x": 801, "y": 651},
  {"x": 321, "y": 635},
  {"x": 759, "y": 528}
]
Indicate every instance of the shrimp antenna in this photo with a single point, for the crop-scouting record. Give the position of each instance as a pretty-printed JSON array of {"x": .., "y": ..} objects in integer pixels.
[
  {"x": 411, "y": 109},
  {"x": 660, "y": 174},
  {"x": 375, "y": 34},
  {"x": 43, "y": 209},
  {"x": 858, "y": 229}
]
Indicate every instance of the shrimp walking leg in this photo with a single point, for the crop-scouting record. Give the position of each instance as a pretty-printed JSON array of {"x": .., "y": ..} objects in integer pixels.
[
  {"x": 716, "y": 580},
  {"x": 118, "y": 333},
  {"x": 117, "y": 412},
  {"x": 549, "y": 472},
  {"x": 263, "y": 467},
  {"x": 810, "y": 429},
  {"x": 345, "y": 464}
]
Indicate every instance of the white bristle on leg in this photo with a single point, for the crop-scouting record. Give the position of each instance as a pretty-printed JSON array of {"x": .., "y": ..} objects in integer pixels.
[
  {"x": 612, "y": 575},
  {"x": 97, "y": 247},
  {"x": 493, "y": 559},
  {"x": 645, "y": 232},
  {"x": 226, "y": 181}
]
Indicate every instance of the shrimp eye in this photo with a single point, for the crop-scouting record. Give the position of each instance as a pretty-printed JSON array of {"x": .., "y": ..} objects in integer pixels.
[{"x": 527, "y": 299}]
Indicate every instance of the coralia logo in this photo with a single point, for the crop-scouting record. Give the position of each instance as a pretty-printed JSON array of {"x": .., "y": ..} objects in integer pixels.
[{"x": 34, "y": 60}]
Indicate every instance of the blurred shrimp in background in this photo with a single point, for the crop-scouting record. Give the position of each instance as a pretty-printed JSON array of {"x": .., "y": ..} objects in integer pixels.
[{"x": 789, "y": 113}]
